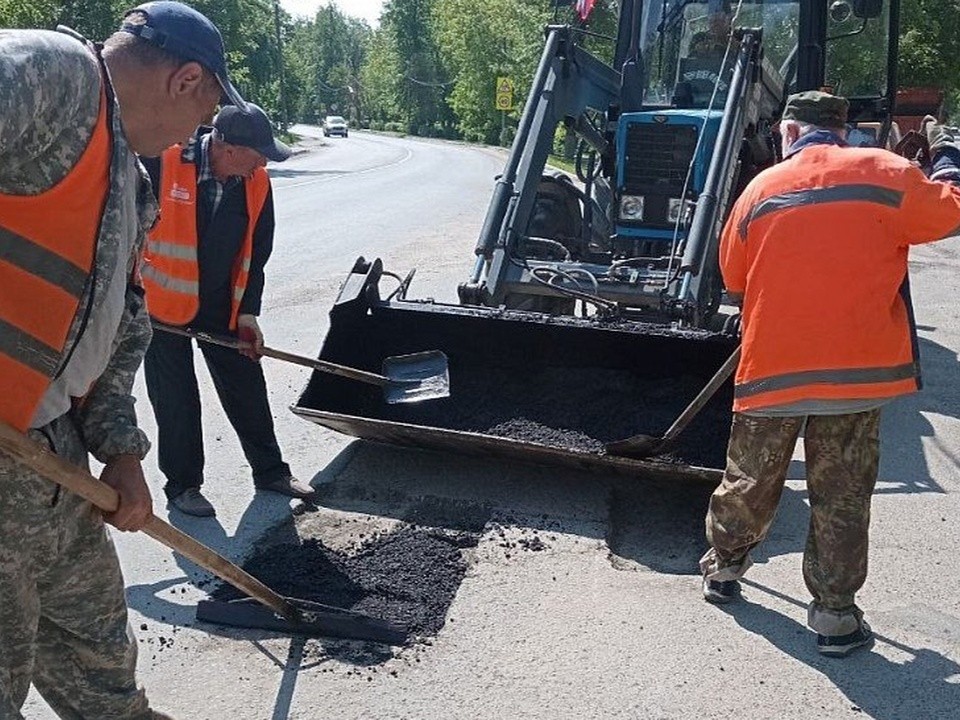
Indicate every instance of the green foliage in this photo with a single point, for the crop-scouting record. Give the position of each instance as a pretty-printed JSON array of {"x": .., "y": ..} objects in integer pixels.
[
  {"x": 94, "y": 18},
  {"x": 481, "y": 41},
  {"x": 421, "y": 77},
  {"x": 249, "y": 34},
  {"x": 331, "y": 51},
  {"x": 380, "y": 81},
  {"x": 431, "y": 66},
  {"x": 930, "y": 44}
]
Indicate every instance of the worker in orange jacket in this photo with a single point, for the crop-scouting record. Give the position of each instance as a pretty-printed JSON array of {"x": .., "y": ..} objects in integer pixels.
[
  {"x": 816, "y": 248},
  {"x": 204, "y": 268}
]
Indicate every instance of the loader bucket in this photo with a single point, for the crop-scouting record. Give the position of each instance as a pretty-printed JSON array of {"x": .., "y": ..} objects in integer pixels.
[{"x": 525, "y": 386}]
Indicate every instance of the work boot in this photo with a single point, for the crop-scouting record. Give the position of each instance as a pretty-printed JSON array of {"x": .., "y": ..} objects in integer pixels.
[
  {"x": 288, "y": 485},
  {"x": 719, "y": 592},
  {"x": 839, "y": 646},
  {"x": 192, "y": 502}
]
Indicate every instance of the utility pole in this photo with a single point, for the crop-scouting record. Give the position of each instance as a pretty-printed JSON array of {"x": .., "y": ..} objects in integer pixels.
[{"x": 284, "y": 108}]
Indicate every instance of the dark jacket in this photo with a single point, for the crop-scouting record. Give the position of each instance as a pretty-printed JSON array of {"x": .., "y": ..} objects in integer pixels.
[{"x": 220, "y": 238}]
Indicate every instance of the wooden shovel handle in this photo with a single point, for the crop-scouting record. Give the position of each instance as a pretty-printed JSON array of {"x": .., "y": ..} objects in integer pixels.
[
  {"x": 321, "y": 365},
  {"x": 43, "y": 462},
  {"x": 703, "y": 397},
  {"x": 327, "y": 367}
]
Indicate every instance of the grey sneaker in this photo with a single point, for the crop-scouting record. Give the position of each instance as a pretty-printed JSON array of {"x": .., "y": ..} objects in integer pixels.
[
  {"x": 842, "y": 645},
  {"x": 289, "y": 486},
  {"x": 192, "y": 502},
  {"x": 718, "y": 592}
]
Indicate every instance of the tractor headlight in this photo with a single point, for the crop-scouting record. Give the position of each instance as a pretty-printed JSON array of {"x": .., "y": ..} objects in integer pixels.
[
  {"x": 631, "y": 207},
  {"x": 679, "y": 210}
]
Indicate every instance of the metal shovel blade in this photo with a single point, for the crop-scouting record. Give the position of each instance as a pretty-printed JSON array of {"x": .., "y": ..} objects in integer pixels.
[
  {"x": 315, "y": 620},
  {"x": 638, "y": 446},
  {"x": 416, "y": 377}
]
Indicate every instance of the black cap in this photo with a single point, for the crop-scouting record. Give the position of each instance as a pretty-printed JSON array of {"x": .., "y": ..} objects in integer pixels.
[
  {"x": 181, "y": 30},
  {"x": 817, "y": 108},
  {"x": 252, "y": 129}
]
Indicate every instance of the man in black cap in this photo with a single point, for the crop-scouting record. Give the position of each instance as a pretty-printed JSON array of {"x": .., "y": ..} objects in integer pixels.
[
  {"x": 203, "y": 268},
  {"x": 74, "y": 208},
  {"x": 816, "y": 249}
]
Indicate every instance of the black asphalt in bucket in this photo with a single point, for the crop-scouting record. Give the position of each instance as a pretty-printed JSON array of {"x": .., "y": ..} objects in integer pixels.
[{"x": 565, "y": 384}]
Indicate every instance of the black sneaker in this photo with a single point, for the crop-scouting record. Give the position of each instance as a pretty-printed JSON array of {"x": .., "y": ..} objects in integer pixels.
[
  {"x": 843, "y": 645},
  {"x": 718, "y": 592}
]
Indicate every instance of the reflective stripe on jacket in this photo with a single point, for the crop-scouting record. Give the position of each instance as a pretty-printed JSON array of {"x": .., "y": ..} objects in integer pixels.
[
  {"x": 170, "y": 271},
  {"x": 48, "y": 246},
  {"x": 818, "y": 247}
]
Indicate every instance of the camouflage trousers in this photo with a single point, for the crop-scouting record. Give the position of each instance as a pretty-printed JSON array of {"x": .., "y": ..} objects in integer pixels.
[
  {"x": 63, "y": 615},
  {"x": 842, "y": 460}
]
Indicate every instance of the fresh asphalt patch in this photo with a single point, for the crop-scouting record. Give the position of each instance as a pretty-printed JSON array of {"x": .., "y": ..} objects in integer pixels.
[{"x": 406, "y": 571}]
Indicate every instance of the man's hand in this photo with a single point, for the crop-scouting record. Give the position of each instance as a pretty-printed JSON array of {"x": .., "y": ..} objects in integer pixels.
[
  {"x": 248, "y": 332},
  {"x": 125, "y": 475}
]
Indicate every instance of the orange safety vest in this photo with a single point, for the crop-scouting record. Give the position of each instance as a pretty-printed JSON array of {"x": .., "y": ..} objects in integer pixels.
[
  {"x": 170, "y": 271},
  {"x": 818, "y": 247},
  {"x": 48, "y": 248}
]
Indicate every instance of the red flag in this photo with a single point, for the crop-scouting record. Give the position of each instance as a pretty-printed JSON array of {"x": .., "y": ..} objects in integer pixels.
[{"x": 584, "y": 7}]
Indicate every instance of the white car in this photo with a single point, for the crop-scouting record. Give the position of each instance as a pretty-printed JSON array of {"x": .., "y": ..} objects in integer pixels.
[{"x": 334, "y": 125}]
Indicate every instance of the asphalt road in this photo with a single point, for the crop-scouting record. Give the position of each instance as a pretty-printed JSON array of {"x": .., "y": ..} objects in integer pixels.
[{"x": 606, "y": 619}]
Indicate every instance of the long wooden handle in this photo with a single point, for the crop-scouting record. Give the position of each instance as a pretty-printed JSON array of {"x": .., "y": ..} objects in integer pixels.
[
  {"x": 36, "y": 457},
  {"x": 703, "y": 397},
  {"x": 321, "y": 365}
]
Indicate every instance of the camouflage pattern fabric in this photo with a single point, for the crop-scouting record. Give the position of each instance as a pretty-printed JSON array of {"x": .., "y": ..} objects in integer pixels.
[
  {"x": 50, "y": 95},
  {"x": 842, "y": 460},
  {"x": 63, "y": 618}
]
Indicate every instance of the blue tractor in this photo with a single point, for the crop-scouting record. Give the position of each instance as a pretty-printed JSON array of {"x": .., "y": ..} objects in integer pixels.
[
  {"x": 669, "y": 136},
  {"x": 595, "y": 302}
]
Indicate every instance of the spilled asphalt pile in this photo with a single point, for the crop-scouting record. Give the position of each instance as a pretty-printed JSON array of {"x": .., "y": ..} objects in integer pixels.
[{"x": 409, "y": 576}]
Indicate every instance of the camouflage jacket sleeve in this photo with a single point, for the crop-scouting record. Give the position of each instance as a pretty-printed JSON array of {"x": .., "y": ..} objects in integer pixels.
[
  {"x": 49, "y": 100},
  {"x": 107, "y": 418}
]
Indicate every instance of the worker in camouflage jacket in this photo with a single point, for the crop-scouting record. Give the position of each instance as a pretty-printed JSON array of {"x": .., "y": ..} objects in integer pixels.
[{"x": 75, "y": 204}]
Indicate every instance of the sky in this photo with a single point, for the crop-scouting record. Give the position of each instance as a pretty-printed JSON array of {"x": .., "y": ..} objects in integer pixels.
[{"x": 368, "y": 10}]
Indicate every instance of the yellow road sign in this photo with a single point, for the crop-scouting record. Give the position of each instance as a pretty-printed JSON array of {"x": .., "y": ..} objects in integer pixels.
[{"x": 504, "y": 97}]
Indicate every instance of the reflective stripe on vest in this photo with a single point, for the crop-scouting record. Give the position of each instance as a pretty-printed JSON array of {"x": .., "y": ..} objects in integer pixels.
[
  {"x": 837, "y": 377},
  {"x": 171, "y": 273},
  {"x": 47, "y": 250},
  {"x": 819, "y": 196}
]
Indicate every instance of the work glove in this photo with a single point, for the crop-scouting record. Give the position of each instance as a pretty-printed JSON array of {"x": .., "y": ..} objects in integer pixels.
[
  {"x": 938, "y": 137},
  {"x": 250, "y": 337},
  {"x": 944, "y": 158}
]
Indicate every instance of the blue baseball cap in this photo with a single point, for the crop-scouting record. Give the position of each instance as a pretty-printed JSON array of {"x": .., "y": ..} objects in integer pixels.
[{"x": 186, "y": 33}]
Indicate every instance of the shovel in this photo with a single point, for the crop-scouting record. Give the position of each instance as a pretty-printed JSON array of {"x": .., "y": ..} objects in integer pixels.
[
  {"x": 642, "y": 446},
  {"x": 275, "y": 612},
  {"x": 406, "y": 378}
]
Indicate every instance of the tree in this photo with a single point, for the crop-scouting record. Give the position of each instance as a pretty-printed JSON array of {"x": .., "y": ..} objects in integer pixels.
[
  {"x": 381, "y": 81},
  {"x": 326, "y": 57},
  {"x": 478, "y": 43},
  {"x": 422, "y": 89}
]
